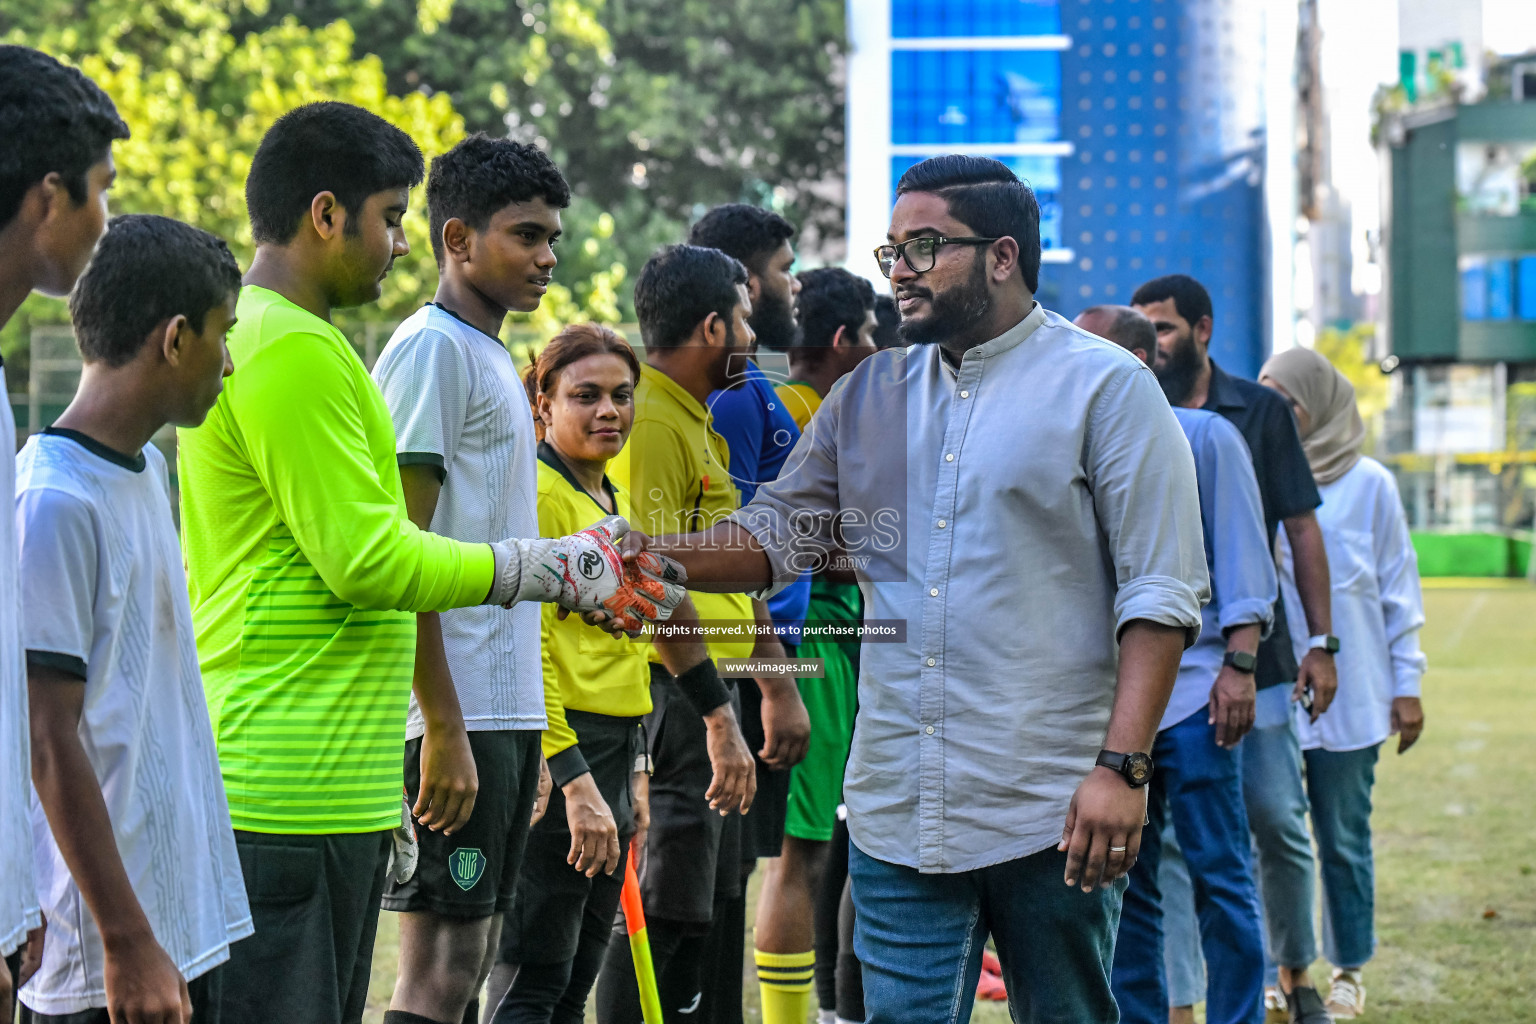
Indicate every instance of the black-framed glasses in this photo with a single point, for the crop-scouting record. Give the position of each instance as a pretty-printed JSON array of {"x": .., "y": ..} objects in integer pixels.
[{"x": 920, "y": 253}]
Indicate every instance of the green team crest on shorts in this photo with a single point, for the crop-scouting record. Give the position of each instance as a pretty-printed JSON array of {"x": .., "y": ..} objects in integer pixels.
[{"x": 466, "y": 866}]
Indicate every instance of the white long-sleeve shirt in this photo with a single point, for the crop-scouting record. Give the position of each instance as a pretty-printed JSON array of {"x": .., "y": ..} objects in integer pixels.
[{"x": 1377, "y": 607}]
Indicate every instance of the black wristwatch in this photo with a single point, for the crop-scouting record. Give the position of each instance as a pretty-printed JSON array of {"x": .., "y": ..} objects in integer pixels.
[
  {"x": 1241, "y": 660},
  {"x": 1135, "y": 769}
]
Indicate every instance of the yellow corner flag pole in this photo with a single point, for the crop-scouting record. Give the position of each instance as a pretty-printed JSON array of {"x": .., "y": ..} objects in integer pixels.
[{"x": 640, "y": 945}]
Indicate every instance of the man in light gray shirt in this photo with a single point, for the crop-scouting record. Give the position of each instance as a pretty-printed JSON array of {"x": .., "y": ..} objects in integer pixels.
[{"x": 1022, "y": 504}]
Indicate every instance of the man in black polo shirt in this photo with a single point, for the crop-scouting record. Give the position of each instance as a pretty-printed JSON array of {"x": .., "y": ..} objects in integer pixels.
[{"x": 1180, "y": 308}]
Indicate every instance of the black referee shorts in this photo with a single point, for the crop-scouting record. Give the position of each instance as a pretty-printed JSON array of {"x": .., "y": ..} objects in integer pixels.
[
  {"x": 544, "y": 925},
  {"x": 692, "y": 854},
  {"x": 762, "y": 830}
]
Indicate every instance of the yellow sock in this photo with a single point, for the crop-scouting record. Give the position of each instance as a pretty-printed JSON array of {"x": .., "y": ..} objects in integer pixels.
[{"x": 786, "y": 981}]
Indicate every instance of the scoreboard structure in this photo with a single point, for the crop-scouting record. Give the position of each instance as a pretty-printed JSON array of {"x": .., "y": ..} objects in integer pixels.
[{"x": 1141, "y": 125}]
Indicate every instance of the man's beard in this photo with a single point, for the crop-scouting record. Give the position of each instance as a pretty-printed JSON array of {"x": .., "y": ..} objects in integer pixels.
[
  {"x": 1180, "y": 370},
  {"x": 773, "y": 320},
  {"x": 731, "y": 372},
  {"x": 950, "y": 313}
]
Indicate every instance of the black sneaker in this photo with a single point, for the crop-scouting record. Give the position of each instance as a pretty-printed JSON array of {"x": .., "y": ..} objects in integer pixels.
[{"x": 1306, "y": 1007}]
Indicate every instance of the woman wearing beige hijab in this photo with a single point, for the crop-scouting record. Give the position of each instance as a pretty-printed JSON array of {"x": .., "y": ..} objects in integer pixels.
[{"x": 1377, "y": 613}]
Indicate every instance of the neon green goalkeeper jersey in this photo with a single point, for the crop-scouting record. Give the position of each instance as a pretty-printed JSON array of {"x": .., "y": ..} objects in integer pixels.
[{"x": 304, "y": 572}]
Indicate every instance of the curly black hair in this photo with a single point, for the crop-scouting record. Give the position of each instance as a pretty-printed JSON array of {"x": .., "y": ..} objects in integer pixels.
[
  {"x": 481, "y": 175},
  {"x": 680, "y": 286},
  {"x": 887, "y": 322},
  {"x": 748, "y": 233},
  {"x": 986, "y": 196},
  {"x": 324, "y": 147},
  {"x": 146, "y": 270},
  {"x": 52, "y": 118},
  {"x": 831, "y": 297}
]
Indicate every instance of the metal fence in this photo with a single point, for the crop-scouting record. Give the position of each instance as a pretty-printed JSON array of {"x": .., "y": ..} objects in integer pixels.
[
  {"x": 1491, "y": 486},
  {"x": 55, "y": 376},
  {"x": 55, "y": 369}
]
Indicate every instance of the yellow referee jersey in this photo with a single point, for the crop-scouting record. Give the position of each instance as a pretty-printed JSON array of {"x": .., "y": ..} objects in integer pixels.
[
  {"x": 585, "y": 668},
  {"x": 800, "y": 400},
  {"x": 676, "y": 470}
]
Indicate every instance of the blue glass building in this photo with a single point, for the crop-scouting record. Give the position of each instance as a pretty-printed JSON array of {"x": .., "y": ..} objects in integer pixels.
[{"x": 1140, "y": 124}]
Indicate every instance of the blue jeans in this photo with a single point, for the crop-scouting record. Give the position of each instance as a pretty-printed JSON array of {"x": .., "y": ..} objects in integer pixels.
[
  {"x": 1339, "y": 783},
  {"x": 1199, "y": 786},
  {"x": 920, "y": 938},
  {"x": 1182, "y": 956},
  {"x": 1277, "y": 812}
]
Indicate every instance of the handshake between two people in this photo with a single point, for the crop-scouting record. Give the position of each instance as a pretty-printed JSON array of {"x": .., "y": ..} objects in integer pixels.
[{"x": 585, "y": 573}]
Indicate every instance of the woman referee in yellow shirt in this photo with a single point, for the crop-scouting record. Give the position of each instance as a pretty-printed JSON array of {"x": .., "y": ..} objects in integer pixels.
[{"x": 596, "y": 689}]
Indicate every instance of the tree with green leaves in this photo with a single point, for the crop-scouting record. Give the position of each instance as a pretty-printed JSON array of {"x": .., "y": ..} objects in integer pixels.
[
  {"x": 198, "y": 93},
  {"x": 654, "y": 109}
]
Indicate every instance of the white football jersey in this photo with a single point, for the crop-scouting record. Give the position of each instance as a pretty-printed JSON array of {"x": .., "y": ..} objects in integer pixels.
[
  {"x": 18, "y": 896},
  {"x": 457, "y": 404},
  {"x": 105, "y": 599}
]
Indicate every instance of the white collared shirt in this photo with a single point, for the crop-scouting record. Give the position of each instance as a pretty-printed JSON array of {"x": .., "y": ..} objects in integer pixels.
[{"x": 1377, "y": 607}]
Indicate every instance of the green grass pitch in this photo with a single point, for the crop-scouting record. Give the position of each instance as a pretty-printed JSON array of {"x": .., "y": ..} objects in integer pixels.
[{"x": 1455, "y": 833}]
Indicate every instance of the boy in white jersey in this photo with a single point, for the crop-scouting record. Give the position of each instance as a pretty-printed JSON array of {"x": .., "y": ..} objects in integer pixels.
[
  {"x": 466, "y": 449},
  {"x": 55, "y": 169},
  {"x": 135, "y": 856}
]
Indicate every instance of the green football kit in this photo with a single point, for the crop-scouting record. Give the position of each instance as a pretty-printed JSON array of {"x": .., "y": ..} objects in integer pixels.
[{"x": 304, "y": 573}]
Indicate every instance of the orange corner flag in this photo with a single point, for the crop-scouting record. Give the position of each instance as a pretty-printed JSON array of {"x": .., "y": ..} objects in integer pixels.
[{"x": 640, "y": 944}]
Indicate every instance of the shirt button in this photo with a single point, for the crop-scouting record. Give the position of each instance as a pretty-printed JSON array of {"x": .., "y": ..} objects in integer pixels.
[
  {"x": 929, "y": 730},
  {"x": 965, "y": 394},
  {"x": 932, "y": 662},
  {"x": 934, "y": 592},
  {"x": 949, "y": 458},
  {"x": 942, "y": 524}
]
